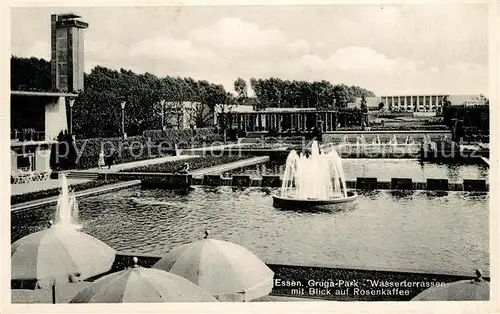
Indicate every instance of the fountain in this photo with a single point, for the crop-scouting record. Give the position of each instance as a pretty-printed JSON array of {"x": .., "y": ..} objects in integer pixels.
[
  {"x": 393, "y": 140},
  {"x": 409, "y": 140},
  {"x": 67, "y": 207},
  {"x": 312, "y": 181},
  {"x": 427, "y": 142},
  {"x": 360, "y": 140},
  {"x": 376, "y": 140},
  {"x": 345, "y": 140}
]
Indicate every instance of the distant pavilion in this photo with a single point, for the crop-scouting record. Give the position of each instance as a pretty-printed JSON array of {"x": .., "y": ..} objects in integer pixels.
[{"x": 292, "y": 119}]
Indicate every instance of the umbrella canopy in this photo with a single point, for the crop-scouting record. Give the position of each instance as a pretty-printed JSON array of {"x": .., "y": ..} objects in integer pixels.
[
  {"x": 464, "y": 290},
  {"x": 138, "y": 284},
  {"x": 59, "y": 255},
  {"x": 225, "y": 270}
]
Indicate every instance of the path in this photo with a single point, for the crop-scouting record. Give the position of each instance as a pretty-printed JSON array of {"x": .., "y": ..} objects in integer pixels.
[
  {"x": 486, "y": 160},
  {"x": 230, "y": 166},
  {"x": 138, "y": 163},
  {"x": 35, "y": 186}
]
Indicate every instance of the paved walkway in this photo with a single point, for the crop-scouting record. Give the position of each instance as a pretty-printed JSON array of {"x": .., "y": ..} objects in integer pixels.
[
  {"x": 17, "y": 189},
  {"x": 138, "y": 163},
  {"x": 230, "y": 166},
  {"x": 486, "y": 160}
]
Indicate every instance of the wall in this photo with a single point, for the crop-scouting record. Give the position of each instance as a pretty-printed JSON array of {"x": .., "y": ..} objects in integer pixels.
[
  {"x": 13, "y": 161},
  {"x": 55, "y": 118},
  {"x": 42, "y": 158}
]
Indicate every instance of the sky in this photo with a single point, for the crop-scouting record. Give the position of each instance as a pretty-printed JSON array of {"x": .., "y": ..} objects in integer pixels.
[{"x": 413, "y": 48}]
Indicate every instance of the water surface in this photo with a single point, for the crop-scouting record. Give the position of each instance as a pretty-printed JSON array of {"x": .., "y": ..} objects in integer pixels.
[{"x": 380, "y": 230}]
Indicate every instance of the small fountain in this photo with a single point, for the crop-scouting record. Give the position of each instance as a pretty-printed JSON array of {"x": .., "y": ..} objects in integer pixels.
[
  {"x": 360, "y": 140},
  {"x": 345, "y": 140},
  {"x": 376, "y": 140},
  {"x": 314, "y": 180},
  {"x": 409, "y": 140},
  {"x": 67, "y": 207},
  {"x": 393, "y": 140},
  {"x": 427, "y": 142}
]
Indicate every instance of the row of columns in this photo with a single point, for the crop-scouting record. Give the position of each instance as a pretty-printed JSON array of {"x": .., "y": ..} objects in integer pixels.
[
  {"x": 301, "y": 121},
  {"x": 435, "y": 102}
]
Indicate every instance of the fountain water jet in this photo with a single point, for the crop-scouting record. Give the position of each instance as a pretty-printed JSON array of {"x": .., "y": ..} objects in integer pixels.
[
  {"x": 409, "y": 140},
  {"x": 376, "y": 140},
  {"x": 314, "y": 180},
  {"x": 360, "y": 140},
  {"x": 393, "y": 140},
  {"x": 345, "y": 140},
  {"x": 67, "y": 207}
]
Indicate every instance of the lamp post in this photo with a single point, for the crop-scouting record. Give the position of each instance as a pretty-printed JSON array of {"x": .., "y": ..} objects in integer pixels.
[
  {"x": 123, "y": 118},
  {"x": 71, "y": 103},
  {"x": 162, "y": 102}
]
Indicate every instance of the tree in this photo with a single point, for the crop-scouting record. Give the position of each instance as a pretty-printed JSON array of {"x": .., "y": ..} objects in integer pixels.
[
  {"x": 30, "y": 74},
  {"x": 240, "y": 86},
  {"x": 364, "y": 106}
]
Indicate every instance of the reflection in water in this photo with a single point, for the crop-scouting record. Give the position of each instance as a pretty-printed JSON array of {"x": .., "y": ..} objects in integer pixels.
[{"x": 445, "y": 232}]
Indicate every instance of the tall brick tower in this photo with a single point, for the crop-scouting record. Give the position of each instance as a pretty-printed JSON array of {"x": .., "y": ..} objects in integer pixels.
[{"x": 67, "y": 43}]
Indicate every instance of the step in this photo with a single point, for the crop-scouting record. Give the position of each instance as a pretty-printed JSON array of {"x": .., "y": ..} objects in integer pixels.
[{"x": 82, "y": 175}]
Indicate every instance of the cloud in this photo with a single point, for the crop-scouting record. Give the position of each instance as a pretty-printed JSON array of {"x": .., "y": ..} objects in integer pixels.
[
  {"x": 39, "y": 49},
  {"x": 389, "y": 49},
  {"x": 169, "y": 47},
  {"x": 234, "y": 33}
]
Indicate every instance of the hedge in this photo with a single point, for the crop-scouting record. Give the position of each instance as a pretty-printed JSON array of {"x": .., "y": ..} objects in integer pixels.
[
  {"x": 17, "y": 199},
  {"x": 153, "y": 144},
  {"x": 184, "y": 138},
  {"x": 195, "y": 163}
]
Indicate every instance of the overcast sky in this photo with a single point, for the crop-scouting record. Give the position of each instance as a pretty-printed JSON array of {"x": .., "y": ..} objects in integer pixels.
[{"x": 388, "y": 49}]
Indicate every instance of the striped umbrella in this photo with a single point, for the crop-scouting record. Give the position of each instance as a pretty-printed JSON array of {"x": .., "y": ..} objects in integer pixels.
[
  {"x": 225, "y": 270},
  {"x": 476, "y": 289},
  {"x": 138, "y": 284},
  {"x": 58, "y": 255}
]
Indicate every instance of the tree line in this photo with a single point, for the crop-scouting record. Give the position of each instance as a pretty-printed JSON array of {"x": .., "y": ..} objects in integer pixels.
[
  {"x": 276, "y": 92},
  {"x": 97, "y": 110}
]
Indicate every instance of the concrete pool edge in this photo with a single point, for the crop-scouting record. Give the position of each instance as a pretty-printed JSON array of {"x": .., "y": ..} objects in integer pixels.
[
  {"x": 364, "y": 276},
  {"x": 87, "y": 192}
]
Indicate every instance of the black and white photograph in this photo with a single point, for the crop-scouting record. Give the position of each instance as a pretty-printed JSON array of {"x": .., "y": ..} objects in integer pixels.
[{"x": 300, "y": 153}]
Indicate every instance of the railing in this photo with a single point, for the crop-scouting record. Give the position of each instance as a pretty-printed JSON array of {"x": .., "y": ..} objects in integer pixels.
[{"x": 27, "y": 135}]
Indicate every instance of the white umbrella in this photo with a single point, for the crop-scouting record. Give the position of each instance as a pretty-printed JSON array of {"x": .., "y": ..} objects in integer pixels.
[
  {"x": 463, "y": 290},
  {"x": 58, "y": 255},
  {"x": 138, "y": 284},
  {"x": 225, "y": 270}
]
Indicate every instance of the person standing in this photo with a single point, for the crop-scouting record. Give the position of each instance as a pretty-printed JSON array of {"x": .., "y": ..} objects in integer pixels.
[
  {"x": 100, "y": 162},
  {"x": 318, "y": 131}
]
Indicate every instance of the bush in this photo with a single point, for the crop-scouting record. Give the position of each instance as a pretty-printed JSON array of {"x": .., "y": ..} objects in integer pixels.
[
  {"x": 131, "y": 149},
  {"x": 194, "y": 163},
  {"x": 184, "y": 138},
  {"x": 17, "y": 199}
]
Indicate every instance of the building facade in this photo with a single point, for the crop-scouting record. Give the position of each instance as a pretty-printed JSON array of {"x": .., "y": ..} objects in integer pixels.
[
  {"x": 37, "y": 118},
  {"x": 413, "y": 103}
]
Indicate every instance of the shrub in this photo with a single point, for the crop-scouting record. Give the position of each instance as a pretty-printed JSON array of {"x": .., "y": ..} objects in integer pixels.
[{"x": 184, "y": 137}]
